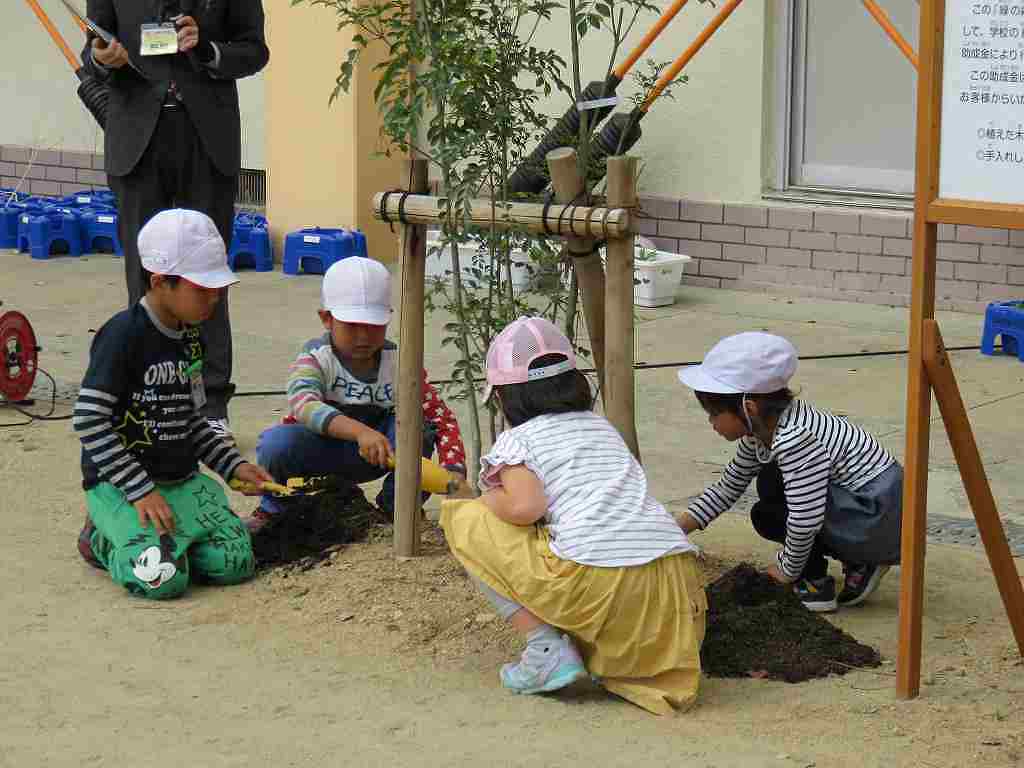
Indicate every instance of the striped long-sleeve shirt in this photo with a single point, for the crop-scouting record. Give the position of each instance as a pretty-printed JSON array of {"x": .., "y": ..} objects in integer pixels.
[
  {"x": 135, "y": 415},
  {"x": 813, "y": 449},
  {"x": 320, "y": 388}
]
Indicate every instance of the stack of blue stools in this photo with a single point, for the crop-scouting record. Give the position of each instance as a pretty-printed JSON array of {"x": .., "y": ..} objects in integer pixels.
[
  {"x": 31, "y": 207},
  {"x": 314, "y": 249},
  {"x": 12, "y": 206},
  {"x": 1004, "y": 319},
  {"x": 99, "y": 231},
  {"x": 250, "y": 243},
  {"x": 54, "y": 231}
]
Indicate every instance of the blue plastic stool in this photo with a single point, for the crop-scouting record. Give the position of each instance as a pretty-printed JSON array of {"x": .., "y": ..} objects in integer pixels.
[
  {"x": 313, "y": 250},
  {"x": 250, "y": 244},
  {"x": 29, "y": 209},
  {"x": 53, "y": 231},
  {"x": 1005, "y": 319},
  {"x": 99, "y": 231},
  {"x": 9, "y": 216}
]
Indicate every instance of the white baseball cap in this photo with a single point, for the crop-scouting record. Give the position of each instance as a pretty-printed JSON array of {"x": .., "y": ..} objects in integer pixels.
[
  {"x": 185, "y": 244},
  {"x": 747, "y": 363},
  {"x": 357, "y": 290}
]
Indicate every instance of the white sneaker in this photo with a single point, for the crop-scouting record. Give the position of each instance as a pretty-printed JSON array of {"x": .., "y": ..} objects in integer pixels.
[
  {"x": 541, "y": 670},
  {"x": 222, "y": 429}
]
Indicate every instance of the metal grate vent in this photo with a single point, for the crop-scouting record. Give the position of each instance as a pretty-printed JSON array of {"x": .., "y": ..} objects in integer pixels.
[{"x": 252, "y": 188}]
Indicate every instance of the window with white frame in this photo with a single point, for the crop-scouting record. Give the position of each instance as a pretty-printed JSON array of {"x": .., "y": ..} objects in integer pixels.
[{"x": 848, "y": 96}]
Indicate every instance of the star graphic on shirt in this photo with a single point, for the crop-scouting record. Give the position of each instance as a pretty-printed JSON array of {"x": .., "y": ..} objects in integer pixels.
[
  {"x": 121, "y": 429},
  {"x": 204, "y": 496}
]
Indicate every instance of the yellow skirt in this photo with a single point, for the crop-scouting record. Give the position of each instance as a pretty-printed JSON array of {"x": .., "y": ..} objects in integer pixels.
[{"x": 639, "y": 628}]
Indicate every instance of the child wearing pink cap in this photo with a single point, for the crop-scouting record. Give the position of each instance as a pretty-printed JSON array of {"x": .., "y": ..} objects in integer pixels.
[{"x": 567, "y": 543}]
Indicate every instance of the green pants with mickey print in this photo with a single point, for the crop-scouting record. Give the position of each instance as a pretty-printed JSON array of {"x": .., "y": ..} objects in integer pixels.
[{"x": 208, "y": 543}]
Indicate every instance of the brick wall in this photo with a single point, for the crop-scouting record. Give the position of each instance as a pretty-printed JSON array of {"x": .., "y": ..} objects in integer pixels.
[
  {"x": 827, "y": 252},
  {"x": 50, "y": 172}
]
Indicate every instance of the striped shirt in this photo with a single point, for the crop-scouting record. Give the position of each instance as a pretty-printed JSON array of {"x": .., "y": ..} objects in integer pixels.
[
  {"x": 135, "y": 415},
  {"x": 321, "y": 388},
  {"x": 599, "y": 510},
  {"x": 814, "y": 449}
]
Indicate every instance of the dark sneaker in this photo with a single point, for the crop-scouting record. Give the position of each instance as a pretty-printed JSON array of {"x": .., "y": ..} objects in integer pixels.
[
  {"x": 818, "y": 595},
  {"x": 85, "y": 545},
  {"x": 860, "y": 582}
]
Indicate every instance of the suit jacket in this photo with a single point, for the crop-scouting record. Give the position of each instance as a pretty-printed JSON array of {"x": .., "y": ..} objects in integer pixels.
[{"x": 210, "y": 95}]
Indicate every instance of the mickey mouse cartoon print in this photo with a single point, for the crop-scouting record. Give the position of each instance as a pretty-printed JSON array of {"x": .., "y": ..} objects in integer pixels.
[{"x": 156, "y": 565}]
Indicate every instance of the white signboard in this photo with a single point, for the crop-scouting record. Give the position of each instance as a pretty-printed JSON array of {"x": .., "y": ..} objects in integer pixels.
[{"x": 982, "y": 145}]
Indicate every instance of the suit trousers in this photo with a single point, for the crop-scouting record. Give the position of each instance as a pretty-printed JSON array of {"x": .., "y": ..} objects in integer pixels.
[{"x": 176, "y": 172}]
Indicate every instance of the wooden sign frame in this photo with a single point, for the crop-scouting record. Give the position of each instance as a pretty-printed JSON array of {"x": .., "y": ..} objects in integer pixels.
[{"x": 930, "y": 371}]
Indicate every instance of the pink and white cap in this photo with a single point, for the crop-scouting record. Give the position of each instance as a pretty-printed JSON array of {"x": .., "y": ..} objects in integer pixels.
[{"x": 518, "y": 345}]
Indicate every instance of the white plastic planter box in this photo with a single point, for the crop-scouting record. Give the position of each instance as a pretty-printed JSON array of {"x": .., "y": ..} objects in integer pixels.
[
  {"x": 656, "y": 280},
  {"x": 439, "y": 263}
]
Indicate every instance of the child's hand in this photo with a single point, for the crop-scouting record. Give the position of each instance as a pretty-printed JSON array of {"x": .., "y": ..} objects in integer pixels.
[
  {"x": 153, "y": 509},
  {"x": 374, "y": 447},
  {"x": 252, "y": 475},
  {"x": 778, "y": 575}
]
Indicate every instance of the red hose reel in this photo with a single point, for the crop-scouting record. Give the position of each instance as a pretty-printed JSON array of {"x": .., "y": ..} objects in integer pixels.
[{"x": 19, "y": 355}]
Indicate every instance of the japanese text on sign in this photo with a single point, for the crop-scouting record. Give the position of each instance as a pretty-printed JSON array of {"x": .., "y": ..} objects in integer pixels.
[{"x": 982, "y": 147}]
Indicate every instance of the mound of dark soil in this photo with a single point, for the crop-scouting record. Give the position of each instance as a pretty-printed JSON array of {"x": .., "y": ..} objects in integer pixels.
[
  {"x": 320, "y": 525},
  {"x": 756, "y": 627}
]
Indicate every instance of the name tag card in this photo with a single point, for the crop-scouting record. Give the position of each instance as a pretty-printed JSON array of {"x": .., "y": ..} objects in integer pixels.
[{"x": 159, "y": 39}]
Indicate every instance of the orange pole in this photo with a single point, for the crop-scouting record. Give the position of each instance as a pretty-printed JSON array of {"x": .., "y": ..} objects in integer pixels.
[
  {"x": 689, "y": 53},
  {"x": 883, "y": 20},
  {"x": 662, "y": 22},
  {"x": 45, "y": 21}
]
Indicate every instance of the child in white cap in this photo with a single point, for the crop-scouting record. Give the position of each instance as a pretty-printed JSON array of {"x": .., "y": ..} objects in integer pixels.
[
  {"x": 153, "y": 517},
  {"x": 341, "y": 397},
  {"x": 567, "y": 543},
  {"x": 826, "y": 487}
]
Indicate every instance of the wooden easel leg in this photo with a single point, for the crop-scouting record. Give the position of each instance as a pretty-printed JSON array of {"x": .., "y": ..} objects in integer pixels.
[
  {"x": 409, "y": 387},
  {"x": 972, "y": 472}
]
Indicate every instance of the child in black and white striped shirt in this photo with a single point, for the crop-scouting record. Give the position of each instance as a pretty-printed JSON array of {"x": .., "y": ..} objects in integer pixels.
[{"x": 826, "y": 487}]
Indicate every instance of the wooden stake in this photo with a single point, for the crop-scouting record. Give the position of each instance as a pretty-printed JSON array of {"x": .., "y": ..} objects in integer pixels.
[
  {"x": 619, "y": 393},
  {"x": 563, "y": 220},
  {"x": 972, "y": 472},
  {"x": 409, "y": 387},
  {"x": 922, "y": 307},
  {"x": 568, "y": 185}
]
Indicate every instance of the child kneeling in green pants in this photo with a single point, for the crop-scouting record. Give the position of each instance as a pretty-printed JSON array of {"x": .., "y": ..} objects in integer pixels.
[{"x": 154, "y": 519}]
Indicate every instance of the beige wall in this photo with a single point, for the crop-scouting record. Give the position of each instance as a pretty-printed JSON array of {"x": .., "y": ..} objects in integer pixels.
[
  {"x": 706, "y": 144},
  {"x": 319, "y": 169},
  {"x": 37, "y": 91}
]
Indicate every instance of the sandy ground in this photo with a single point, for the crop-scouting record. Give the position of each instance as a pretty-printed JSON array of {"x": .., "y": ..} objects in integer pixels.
[{"x": 370, "y": 661}]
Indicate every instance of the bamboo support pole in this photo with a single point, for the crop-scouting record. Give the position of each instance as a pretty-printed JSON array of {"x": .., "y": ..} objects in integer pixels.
[
  {"x": 409, "y": 387},
  {"x": 561, "y": 220},
  {"x": 972, "y": 472},
  {"x": 568, "y": 185},
  {"x": 619, "y": 395}
]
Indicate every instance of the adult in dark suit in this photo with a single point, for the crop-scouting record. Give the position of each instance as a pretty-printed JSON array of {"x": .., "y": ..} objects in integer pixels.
[{"x": 173, "y": 136}]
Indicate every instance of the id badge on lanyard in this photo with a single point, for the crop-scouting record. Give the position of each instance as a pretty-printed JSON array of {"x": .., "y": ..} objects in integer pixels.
[{"x": 158, "y": 39}]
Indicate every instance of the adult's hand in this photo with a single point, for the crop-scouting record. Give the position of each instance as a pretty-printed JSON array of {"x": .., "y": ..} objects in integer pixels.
[
  {"x": 188, "y": 33},
  {"x": 113, "y": 56}
]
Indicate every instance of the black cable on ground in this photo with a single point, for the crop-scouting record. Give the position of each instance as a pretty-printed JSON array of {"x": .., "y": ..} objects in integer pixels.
[
  {"x": 680, "y": 364},
  {"x": 48, "y": 416}
]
